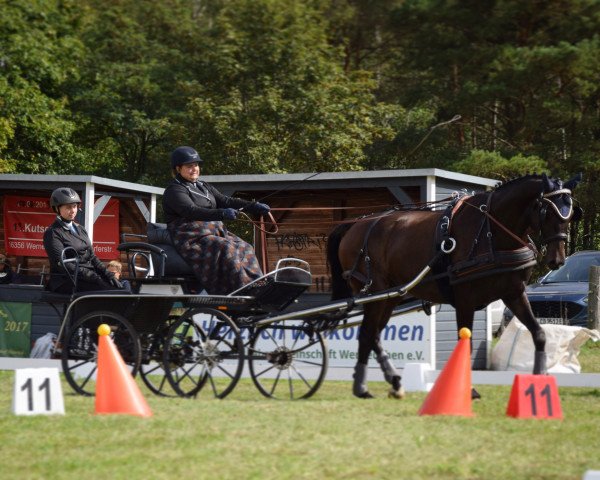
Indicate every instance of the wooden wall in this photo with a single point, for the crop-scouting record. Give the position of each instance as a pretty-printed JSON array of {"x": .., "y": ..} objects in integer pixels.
[{"x": 305, "y": 218}]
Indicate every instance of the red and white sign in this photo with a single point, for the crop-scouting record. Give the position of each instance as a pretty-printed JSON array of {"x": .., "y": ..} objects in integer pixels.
[
  {"x": 25, "y": 221},
  {"x": 27, "y": 218},
  {"x": 106, "y": 231}
]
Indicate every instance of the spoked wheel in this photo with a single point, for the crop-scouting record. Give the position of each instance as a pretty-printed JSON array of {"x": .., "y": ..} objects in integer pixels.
[
  {"x": 80, "y": 348},
  {"x": 152, "y": 367},
  {"x": 287, "y": 360},
  {"x": 204, "y": 349}
]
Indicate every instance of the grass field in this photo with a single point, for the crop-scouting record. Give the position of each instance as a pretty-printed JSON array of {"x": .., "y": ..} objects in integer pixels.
[{"x": 332, "y": 435}]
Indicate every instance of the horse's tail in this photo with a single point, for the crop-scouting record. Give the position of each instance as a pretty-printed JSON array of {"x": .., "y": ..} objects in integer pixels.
[{"x": 339, "y": 286}]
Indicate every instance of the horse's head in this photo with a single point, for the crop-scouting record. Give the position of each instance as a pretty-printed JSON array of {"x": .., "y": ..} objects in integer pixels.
[{"x": 555, "y": 210}]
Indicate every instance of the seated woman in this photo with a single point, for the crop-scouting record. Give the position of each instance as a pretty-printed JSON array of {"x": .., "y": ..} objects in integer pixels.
[
  {"x": 64, "y": 232},
  {"x": 194, "y": 212}
]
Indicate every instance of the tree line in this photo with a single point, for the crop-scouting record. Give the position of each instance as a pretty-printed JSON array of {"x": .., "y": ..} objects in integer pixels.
[{"x": 495, "y": 88}]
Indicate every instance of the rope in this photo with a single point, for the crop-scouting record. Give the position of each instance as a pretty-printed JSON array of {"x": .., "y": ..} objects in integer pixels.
[
  {"x": 259, "y": 224},
  {"x": 399, "y": 207}
]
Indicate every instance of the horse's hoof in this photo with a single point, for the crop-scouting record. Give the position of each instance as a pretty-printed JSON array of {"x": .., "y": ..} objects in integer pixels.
[
  {"x": 398, "y": 394},
  {"x": 364, "y": 395},
  {"x": 475, "y": 394}
]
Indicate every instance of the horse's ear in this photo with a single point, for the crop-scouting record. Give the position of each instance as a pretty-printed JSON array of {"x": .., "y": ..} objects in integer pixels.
[
  {"x": 571, "y": 184},
  {"x": 547, "y": 183}
]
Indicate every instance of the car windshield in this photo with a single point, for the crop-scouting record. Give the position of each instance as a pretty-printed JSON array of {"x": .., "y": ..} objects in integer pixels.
[{"x": 575, "y": 269}]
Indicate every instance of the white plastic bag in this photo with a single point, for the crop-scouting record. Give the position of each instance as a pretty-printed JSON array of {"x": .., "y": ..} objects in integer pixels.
[
  {"x": 42, "y": 348},
  {"x": 515, "y": 350}
]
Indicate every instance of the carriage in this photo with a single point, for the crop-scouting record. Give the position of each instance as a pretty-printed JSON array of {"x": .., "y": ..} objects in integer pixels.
[{"x": 181, "y": 340}]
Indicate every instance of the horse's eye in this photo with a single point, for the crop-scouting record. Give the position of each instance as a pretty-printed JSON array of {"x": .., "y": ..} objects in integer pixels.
[{"x": 577, "y": 214}]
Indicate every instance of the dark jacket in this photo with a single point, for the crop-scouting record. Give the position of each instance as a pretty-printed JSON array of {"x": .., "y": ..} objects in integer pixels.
[
  {"x": 199, "y": 201},
  {"x": 91, "y": 269}
]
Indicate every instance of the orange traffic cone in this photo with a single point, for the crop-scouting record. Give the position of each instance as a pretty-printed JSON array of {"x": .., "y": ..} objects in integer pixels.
[
  {"x": 451, "y": 393},
  {"x": 116, "y": 390}
]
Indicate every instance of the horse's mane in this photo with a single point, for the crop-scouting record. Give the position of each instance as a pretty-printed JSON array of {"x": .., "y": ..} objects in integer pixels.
[{"x": 516, "y": 180}]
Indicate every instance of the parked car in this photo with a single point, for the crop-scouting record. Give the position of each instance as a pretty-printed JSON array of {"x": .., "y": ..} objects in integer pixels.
[{"x": 561, "y": 296}]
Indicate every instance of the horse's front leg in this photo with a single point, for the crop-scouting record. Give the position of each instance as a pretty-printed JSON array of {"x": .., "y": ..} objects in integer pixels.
[
  {"x": 522, "y": 310},
  {"x": 464, "y": 319}
]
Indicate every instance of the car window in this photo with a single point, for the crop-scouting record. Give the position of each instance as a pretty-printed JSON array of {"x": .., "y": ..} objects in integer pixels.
[{"x": 575, "y": 269}]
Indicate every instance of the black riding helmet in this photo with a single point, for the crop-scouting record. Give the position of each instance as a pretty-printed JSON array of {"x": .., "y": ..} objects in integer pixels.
[
  {"x": 183, "y": 155},
  {"x": 63, "y": 196}
]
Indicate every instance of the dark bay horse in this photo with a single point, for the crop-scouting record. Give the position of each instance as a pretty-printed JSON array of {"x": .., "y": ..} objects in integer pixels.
[{"x": 479, "y": 250}]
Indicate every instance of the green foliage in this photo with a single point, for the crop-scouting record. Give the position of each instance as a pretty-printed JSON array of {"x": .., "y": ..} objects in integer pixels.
[
  {"x": 112, "y": 86},
  {"x": 273, "y": 98},
  {"x": 494, "y": 165},
  {"x": 39, "y": 53}
]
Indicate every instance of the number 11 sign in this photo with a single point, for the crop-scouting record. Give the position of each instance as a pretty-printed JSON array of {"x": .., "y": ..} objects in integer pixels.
[
  {"x": 37, "y": 392},
  {"x": 534, "y": 396}
]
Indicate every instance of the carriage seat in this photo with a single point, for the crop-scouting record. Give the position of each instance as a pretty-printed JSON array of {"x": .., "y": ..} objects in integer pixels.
[{"x": 159, "y": 235}]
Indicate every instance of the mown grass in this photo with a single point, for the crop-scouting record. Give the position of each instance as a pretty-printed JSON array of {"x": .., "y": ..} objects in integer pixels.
[
  {"x": 332, "y": 435},
  {"x": 589, "y": 357}
]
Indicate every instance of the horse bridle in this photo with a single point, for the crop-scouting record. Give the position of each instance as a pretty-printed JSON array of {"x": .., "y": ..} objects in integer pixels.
[
  {"x": 545, "y": 200},
  {"x": 544, "y": 203}
]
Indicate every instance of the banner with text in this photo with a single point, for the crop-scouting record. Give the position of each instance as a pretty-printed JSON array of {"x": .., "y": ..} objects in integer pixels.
[
  {"x": 15, "y": 328},
  {"x": 27, "y": 218},
  {"x": 407, "y": 339}
]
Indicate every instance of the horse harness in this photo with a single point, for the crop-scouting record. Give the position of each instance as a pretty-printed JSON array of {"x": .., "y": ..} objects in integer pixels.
[
  {"x": 492, "y": 261},
  {"x": 364, "y": 254},
  {"x": 448, "y": 274}
]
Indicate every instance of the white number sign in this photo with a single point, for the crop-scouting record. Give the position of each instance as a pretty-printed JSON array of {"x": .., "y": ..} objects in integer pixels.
[{"x": 37, "y": 392}]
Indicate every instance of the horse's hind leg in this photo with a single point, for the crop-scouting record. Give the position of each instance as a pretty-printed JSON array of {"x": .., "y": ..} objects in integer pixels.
[
  {"x": 367, "y": 339},
  {"x": 522, "y": 310},
  {"x": 390, "y": 373}
]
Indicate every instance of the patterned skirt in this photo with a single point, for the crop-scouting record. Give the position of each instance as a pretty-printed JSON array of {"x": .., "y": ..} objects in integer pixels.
[{"x": 221, "y": 261}]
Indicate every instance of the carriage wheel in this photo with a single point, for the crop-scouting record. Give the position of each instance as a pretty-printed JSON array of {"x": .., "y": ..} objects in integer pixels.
[
  {"x": 204, "y": 348},
  {"x": 80, "y": 348},
  {"x": 152, "y": 367},
  {"x": 287, "y": 360}
]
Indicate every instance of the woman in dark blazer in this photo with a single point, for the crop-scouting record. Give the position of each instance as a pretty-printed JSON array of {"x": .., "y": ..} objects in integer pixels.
[
  {"x": 64, "y": 232},
  {"x": 194, "y": 212}
]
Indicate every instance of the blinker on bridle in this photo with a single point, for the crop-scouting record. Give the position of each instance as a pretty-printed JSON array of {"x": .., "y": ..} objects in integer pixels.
[{"x": 547, "y": 200}]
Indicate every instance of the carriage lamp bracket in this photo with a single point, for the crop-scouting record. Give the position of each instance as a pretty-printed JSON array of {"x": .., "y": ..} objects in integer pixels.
[{"x": 450, "y": 248}]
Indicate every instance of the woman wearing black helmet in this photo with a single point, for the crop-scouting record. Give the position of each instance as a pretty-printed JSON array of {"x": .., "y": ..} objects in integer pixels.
[
  {"x": 194, "y": 212},
  {"x": 63, "y": 233}
]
